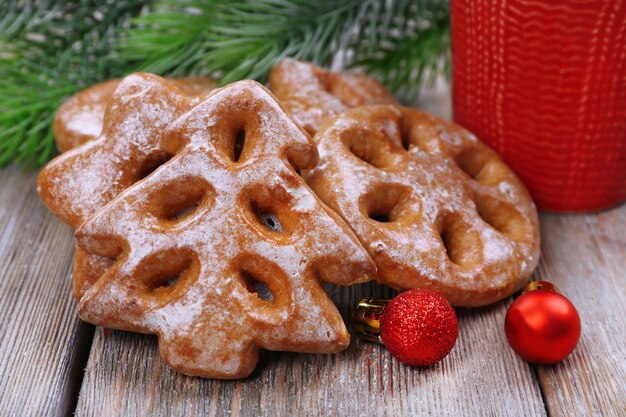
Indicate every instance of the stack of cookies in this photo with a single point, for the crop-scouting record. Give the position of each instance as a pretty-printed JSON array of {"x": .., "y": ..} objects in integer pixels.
[{"x": 210, "y": 216}]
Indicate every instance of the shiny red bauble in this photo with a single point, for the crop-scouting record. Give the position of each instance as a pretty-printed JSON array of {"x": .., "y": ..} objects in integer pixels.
[
  {"x": 542, "y": 326},
  {"x": 419, "y": 327}
]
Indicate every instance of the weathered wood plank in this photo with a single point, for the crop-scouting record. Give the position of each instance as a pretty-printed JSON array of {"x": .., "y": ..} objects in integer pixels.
[
  {"x": 40, "y": 335},
  {"x": 125, "y": 376},
  {"x": 585, "y": 256}
]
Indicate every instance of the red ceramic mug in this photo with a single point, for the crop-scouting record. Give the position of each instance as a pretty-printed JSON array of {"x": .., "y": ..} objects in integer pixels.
[{"x": 543, "y": 82}]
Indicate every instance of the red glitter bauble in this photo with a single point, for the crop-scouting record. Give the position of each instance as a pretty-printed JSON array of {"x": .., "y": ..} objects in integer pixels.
[
  {"x": 542, "y": 326},
  {"x": 419, "y": 327}
]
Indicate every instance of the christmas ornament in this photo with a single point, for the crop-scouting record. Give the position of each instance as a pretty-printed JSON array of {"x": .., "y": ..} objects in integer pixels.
[
  {"x": 541, "y": 325},
  {"x": 418, "y": 327}
]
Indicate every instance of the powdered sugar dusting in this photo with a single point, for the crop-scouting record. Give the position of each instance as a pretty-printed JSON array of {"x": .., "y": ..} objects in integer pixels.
[
  {"x": 215, "y": 312},
  {"x": 90, "y": 124},
  {"x": 313, "y": 95},
  {"x": 81, "y": 181},
  {"x": 508, "y": 190},
  {"x": 410, "y": 250}
]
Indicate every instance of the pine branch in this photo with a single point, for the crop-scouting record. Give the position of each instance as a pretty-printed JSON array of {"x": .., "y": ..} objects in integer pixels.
[
  {"x": 50, "y": 50},
  {"x": 406, "y": 62},
  {"x": 236, "y": 39},
  {"x": 246, "y": 39}
]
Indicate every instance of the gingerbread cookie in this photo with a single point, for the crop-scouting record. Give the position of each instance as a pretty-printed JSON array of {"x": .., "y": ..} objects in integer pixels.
[
  {"x": 219, "y": 252},
  {"x": 80, "y": 118},
  {"x": 79, "y": 182},
  {"x": 313, "y": 95},
  {"x": 435, "y": 207}
]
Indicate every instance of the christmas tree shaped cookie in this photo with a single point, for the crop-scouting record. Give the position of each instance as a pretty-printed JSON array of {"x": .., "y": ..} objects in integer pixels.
[
  {"x": 220, "y": 251},
  {"x": 79, "y": 182},
  {"x": 79, "y": 119}
]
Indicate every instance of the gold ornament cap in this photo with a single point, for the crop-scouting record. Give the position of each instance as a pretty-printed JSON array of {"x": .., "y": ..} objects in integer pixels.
[
  {"x": 366, "y": 318},
  {"x": 540, "y": 285}
]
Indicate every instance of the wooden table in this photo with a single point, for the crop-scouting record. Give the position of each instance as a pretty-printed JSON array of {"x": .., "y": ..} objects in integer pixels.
[{"x": 53, "y": 364}]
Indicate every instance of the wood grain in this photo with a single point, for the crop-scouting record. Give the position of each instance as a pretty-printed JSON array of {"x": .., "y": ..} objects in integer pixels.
[
  {"x": 40, "y": 335},
  {"x": 125, "y": 376},
  {"x": 585, "y": 256}
]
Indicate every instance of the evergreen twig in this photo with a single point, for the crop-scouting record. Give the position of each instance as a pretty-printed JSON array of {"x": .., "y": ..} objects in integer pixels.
[
  {"x": 48, "y": 51},
  {"x": 51, "y": 49}
]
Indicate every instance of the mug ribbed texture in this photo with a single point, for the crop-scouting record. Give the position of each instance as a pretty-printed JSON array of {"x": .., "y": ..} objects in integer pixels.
[{"x": 544, "y": 83}]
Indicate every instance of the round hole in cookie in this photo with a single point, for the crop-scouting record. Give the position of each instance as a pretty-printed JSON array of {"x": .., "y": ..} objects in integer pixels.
[
  {"x": 418, "y": 131},
  {"x": 177, "y": 200},
  {"x": 482, "y": 165},
  {"x": 388, "y": 203},
  {"x": 343, "y": 87},
  {"x": 235, "y": 131},
  {"x": 169, "y": 281},
  {"x": 266, "y": 286},
  {"x": 370, "y": 147},
  {"x": 327, "y": 82},
  {"x": 257, "y": 287},
  {"x": 355, "y": 89},
  {"x": 406, "y": 142},
  {"x": 472, "y": 161},
  {"x": 233, "y": 146},
  {"x": 462, "y": 243},
  {"x": 240, "y": 140},
  {"x": 268, "y": 210},
  {"x": 267, "y": 219},
  {"x": 151, "y": 163},
  {"x": 504, "y": 217},
  {"x": 165, "y": 274}
]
